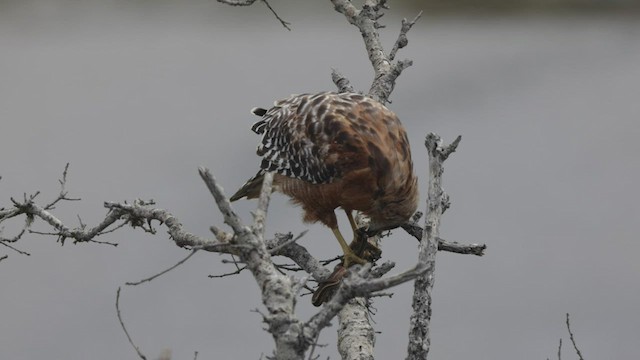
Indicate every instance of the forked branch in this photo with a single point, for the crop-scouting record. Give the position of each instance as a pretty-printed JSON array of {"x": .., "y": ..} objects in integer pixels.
[{"x": 386, "y": 71}]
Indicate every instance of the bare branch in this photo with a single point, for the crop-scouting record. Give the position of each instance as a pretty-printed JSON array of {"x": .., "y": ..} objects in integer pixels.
[
  {"x": 560, "y": 350},
  {"x": 573, "y": 341},
  {"x": 14, "y": 249},
  {"x": 359, "y": 282},
  {"x": 277, "y": 290},
  {"x": 286, "y": 243},
  {"x": 366, "y": 20},
  {"x": 140, "y": 212},
  {"x": 284, "y": 23},
  {"x": 356, "y": 337},
  {"x": 313, "y": 348},
  {"x": 402, "y": 40},
  {"x": 454, "y": 247},
  {"x": 299, "y": 255},
  {"x": 437, "y": 202},
  {"x": 341, "y": 82},
  {"x": 124, "y": 328},
  {"x": 63, "y": 192},
  {"x": 237, "y": 2},
  {"x": 8, "y": 214},
  {"x": 165, "y": 271},
  {"x": 250, "y": 2},
  {"x": 27, "y": 223},
  {"x": 238, "y": 271},
  {"x": 230, "y": 217},
  {"x": 416, "y": 231}
]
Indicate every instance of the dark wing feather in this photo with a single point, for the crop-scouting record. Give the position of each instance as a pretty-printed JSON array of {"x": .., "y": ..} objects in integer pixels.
[
  {"x": 295, "y": 139},
  {"x": 315, "y": 137}
]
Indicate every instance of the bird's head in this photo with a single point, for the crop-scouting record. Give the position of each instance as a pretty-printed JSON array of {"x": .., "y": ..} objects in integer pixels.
[{"x": 392, "y": 215}]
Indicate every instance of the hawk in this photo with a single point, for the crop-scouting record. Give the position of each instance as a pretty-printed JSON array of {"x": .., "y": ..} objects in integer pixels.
[{"x": 337, "y": 150}]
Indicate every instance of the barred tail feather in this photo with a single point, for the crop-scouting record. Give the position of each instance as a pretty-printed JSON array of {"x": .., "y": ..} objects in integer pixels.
[{"x": 250, "y": 189}]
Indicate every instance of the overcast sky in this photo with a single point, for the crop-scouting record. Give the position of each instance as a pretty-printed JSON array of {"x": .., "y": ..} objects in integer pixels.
[{"x": 137, "y": 95}]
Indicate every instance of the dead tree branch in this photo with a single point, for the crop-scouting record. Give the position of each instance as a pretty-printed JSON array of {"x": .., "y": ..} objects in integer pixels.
[
  {"x": 573, "y": 341},
  {"x": 560, "y": 350},
  {"x": 416, "y": 231},
  {"x": 402, "y": 40},
  {"x": 193, "y": 252},
  {"x": 124, "y": 328},
  {"x": 385, "y": 74},
  {"x": 437, "y": 203},
  {"x": 250, "y": 2},
  {"x": 366, "y": 20},
  {"x": 356, "y": 336}
]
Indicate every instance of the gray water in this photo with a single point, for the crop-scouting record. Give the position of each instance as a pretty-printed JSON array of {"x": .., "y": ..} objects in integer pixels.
[{"x": 136, "y": 96}]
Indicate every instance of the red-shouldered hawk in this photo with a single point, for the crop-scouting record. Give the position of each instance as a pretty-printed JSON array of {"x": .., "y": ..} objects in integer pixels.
[{"x": 331, "y": 150}]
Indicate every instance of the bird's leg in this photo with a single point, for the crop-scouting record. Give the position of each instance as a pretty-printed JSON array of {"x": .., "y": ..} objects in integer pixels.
[
  {"x": 350, "y": 256},
  {"x": 359, "y": 238},
  {"x": 327, "y": 288},
  {"x": 360, "y": 243},
  {"x": 352, "y": 222}
]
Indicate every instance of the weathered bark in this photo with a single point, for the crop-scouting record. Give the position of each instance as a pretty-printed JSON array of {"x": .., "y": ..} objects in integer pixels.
[{"x": 437, "y": 203}]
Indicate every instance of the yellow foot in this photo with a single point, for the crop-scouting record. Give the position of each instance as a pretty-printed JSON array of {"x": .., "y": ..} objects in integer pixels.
[{"x": 351, "y": 258}]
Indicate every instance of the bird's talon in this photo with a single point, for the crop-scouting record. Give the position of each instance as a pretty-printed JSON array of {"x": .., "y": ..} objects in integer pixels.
[{"x": 351, "y": 259}]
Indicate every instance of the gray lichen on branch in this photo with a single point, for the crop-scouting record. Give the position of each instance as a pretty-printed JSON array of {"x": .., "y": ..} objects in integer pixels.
[
  {"x": 366, "y": 20},
  {"x": 437, "y": 202}
]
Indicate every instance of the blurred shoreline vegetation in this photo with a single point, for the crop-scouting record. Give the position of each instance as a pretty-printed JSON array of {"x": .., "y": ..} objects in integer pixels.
[
  {"x": 434, "y": 7},
  {"x": 631, "y": 7}
]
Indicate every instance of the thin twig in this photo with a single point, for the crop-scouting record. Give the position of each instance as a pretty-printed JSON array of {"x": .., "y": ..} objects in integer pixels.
[
  {"x": 103, "y": 242},
  {"x": 237, "y": 2},
  {"x": 560, "y": 350},
  {"x": 250, "y": 2},
  {"x": 313, "y": 348},
  {"x": 27, "y": 224},
  {"x": 402, "y": 40},
  {"x": 124, "y": 328},
  {"x": 284, "y": 23},
  {"x": 300, "y": 255},
  {"x": 228, "y": 274},
  {"x": 573, "y": 341},
  {"x": 112, "y": 230},
  {"x": 15, "y": 249},
  {"x": 165, "y": 271},
  {"x": 62, "y": 195}
]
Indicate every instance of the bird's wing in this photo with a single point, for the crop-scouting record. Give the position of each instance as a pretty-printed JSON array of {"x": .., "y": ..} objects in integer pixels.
[{"x": 308, "y": 136}]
